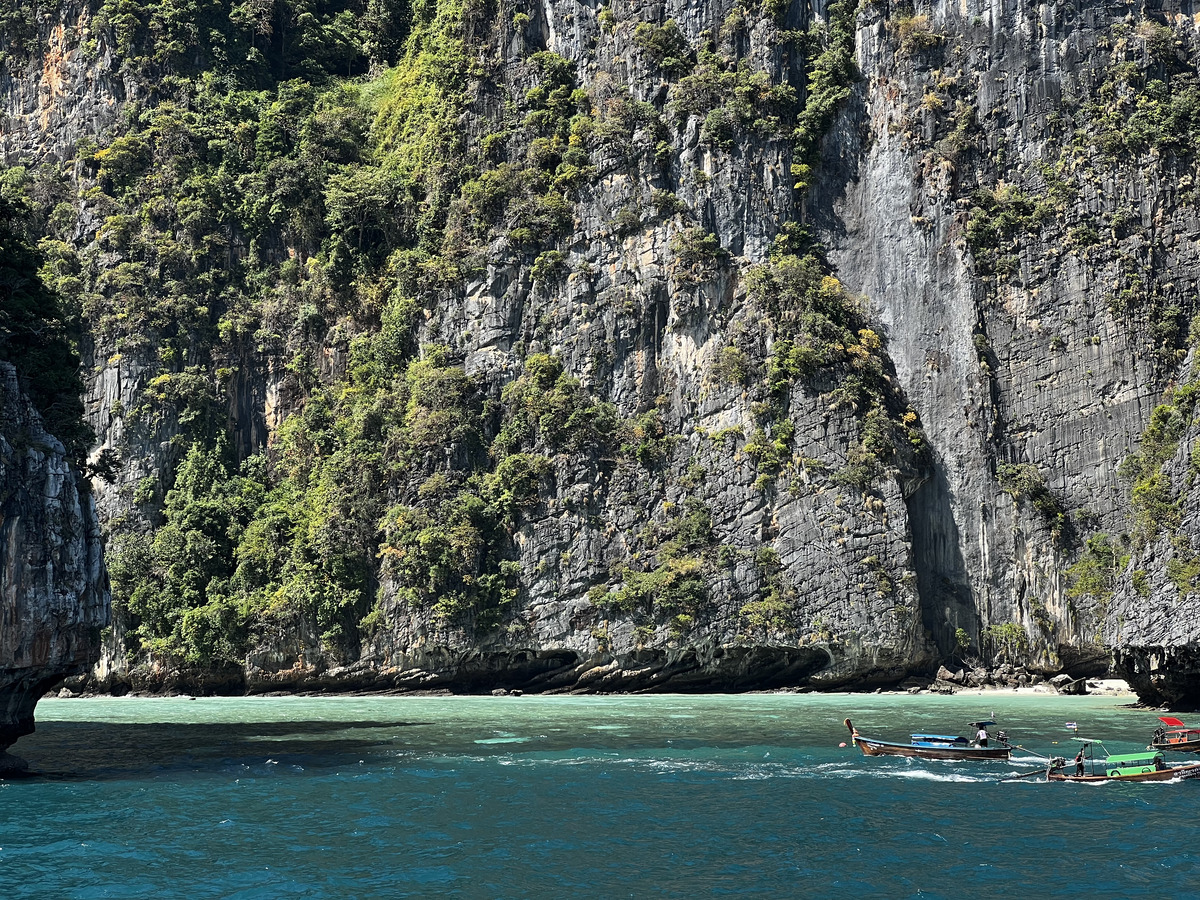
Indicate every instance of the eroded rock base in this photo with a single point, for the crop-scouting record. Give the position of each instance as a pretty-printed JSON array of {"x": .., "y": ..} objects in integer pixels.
[
  {"x": 1161, "y": 676},
  {"x": 688, "y": 669},
  {"x": 53, "y": 589},
  {"x": 20, "y": 690}
]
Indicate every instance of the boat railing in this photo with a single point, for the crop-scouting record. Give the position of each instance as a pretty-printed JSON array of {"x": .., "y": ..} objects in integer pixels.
[{"x": 1181, "y": 737}]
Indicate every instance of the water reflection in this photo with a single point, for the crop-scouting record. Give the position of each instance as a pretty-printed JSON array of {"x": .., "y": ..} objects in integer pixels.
[{"x": 87, "y": 750}]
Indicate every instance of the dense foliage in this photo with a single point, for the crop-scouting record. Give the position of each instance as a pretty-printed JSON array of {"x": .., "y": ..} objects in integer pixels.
[
  {"x": 38, "y": 332},
  {"x": 822, "y": 331},
  {"x": 301, "y": 185}
]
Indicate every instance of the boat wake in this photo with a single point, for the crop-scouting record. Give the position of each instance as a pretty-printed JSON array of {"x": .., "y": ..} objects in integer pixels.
[
  {"x": 503, "y": 740},
  {"x": 750, "y": 764},
  {"x": 927, "y": 775}
]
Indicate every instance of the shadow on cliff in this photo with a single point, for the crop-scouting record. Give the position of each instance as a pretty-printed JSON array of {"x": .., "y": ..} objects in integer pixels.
[
  {"x": 842, "y": 154},
  {"x": 101, "y": 751},
  {"x": 946, "y": 598},
  {"x": 947, "y": 601}
]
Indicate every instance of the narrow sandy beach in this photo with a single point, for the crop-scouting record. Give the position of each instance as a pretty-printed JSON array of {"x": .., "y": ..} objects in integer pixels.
[{"x": 1094, "y": 686}]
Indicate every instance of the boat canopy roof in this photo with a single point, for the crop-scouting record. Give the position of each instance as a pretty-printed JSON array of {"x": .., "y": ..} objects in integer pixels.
[
  {"x": 1171, "y": 721},
  {"x": 947, "y": 738},
  {"x": 983, "y": 724},
  {"x": 1133, "y": 759}
]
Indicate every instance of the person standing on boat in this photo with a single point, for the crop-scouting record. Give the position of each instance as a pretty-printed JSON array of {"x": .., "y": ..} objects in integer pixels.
[
  {"x": 1079, "y": 762},
  {"x": 981, "y": 736}
]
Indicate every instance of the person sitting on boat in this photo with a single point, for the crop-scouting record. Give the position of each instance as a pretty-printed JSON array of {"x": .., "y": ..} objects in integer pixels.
[
  {"x": 981, "y": 737},
  {"x": 1079, "y": 762}
]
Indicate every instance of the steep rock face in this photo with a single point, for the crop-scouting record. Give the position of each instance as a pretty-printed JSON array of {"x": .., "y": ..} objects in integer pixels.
[
  {"x": 59, "y": 87},
  {"x": 53, "y": 591},
  {"x": 1149, "y": 594},
  {"x": 1026, "y": 346},
  {"x": 643, "y": 329},
  {"x": 1029, "y": 262}
]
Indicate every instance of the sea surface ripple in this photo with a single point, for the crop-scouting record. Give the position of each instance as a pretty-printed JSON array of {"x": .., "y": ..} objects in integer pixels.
[{"x": 663, "y": 796}]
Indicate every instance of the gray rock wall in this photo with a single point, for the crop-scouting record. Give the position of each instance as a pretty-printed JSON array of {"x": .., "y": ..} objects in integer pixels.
[
  {"x": 1025, "y": 359},
  {"x": 53, "y": 589},
  {"x": 1034, "y": 366},
  {"x": 70, "y": 91},
  {"x": 645, "y": 335}
]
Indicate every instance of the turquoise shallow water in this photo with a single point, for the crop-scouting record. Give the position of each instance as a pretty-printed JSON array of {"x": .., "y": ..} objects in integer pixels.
[{"x": 669, "y": 796}]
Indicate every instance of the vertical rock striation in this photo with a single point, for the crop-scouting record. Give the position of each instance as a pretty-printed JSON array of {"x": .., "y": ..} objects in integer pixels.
[
  {"x": 53, "y": 92},
  {"x": 938, "y": 474},
  {"x": 53, "y": 591},
  {"x": 1034, "y": 263}
]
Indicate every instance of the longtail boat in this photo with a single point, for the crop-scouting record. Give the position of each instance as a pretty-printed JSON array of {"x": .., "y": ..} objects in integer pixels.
[
  {"x": 1174, "y": 735},
  {"x": 1148, "y": 765},
  {"x": 930, "y": 746}
]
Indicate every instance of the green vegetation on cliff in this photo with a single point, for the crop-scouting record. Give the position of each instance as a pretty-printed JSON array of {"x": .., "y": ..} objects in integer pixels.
[
  {"x": 821, "y": 332},
  {"x": 1150, "y": 96},
  {"x": 1156, "y": 503},
  {"x": 38, "y": 332},
  {"x": 302, "y": 192}
]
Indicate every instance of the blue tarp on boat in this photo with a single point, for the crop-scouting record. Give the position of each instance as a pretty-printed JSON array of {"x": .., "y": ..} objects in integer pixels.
[{"x": 938, "y": 739}]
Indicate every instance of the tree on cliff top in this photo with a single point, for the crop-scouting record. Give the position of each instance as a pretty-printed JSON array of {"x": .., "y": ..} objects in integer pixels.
[{"x": 34, "y": 334}]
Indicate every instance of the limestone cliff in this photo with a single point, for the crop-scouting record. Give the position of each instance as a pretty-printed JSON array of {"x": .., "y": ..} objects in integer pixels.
[
  {"x": 542, "y": 375},
  {"x": 1045, "y": 340},
  {"x": 53, "y": 593}
]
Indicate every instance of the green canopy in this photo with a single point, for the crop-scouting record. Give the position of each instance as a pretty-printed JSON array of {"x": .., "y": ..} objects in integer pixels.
[{"x": 1133, "y": 759}]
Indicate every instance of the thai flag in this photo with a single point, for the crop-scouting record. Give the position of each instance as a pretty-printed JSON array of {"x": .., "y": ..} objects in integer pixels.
[{"x": 1072, "y": 726}]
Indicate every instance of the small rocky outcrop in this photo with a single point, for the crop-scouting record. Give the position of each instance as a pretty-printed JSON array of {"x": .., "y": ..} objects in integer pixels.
[
  {"x": 1065, "y": 684},
  {"x": 53, "y": 589}
]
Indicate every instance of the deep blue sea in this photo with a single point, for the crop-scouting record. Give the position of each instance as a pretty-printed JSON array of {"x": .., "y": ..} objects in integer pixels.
[{"x": 646, "y": 796}]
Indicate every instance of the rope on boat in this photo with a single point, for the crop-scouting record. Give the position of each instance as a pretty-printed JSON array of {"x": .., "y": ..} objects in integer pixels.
[
  {"x": 1027, "y": 750},
  {"x": 1018, "y": 777},
  {"x": 1052, "y": 763},
  {"x": 1050, "y": 760}
]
